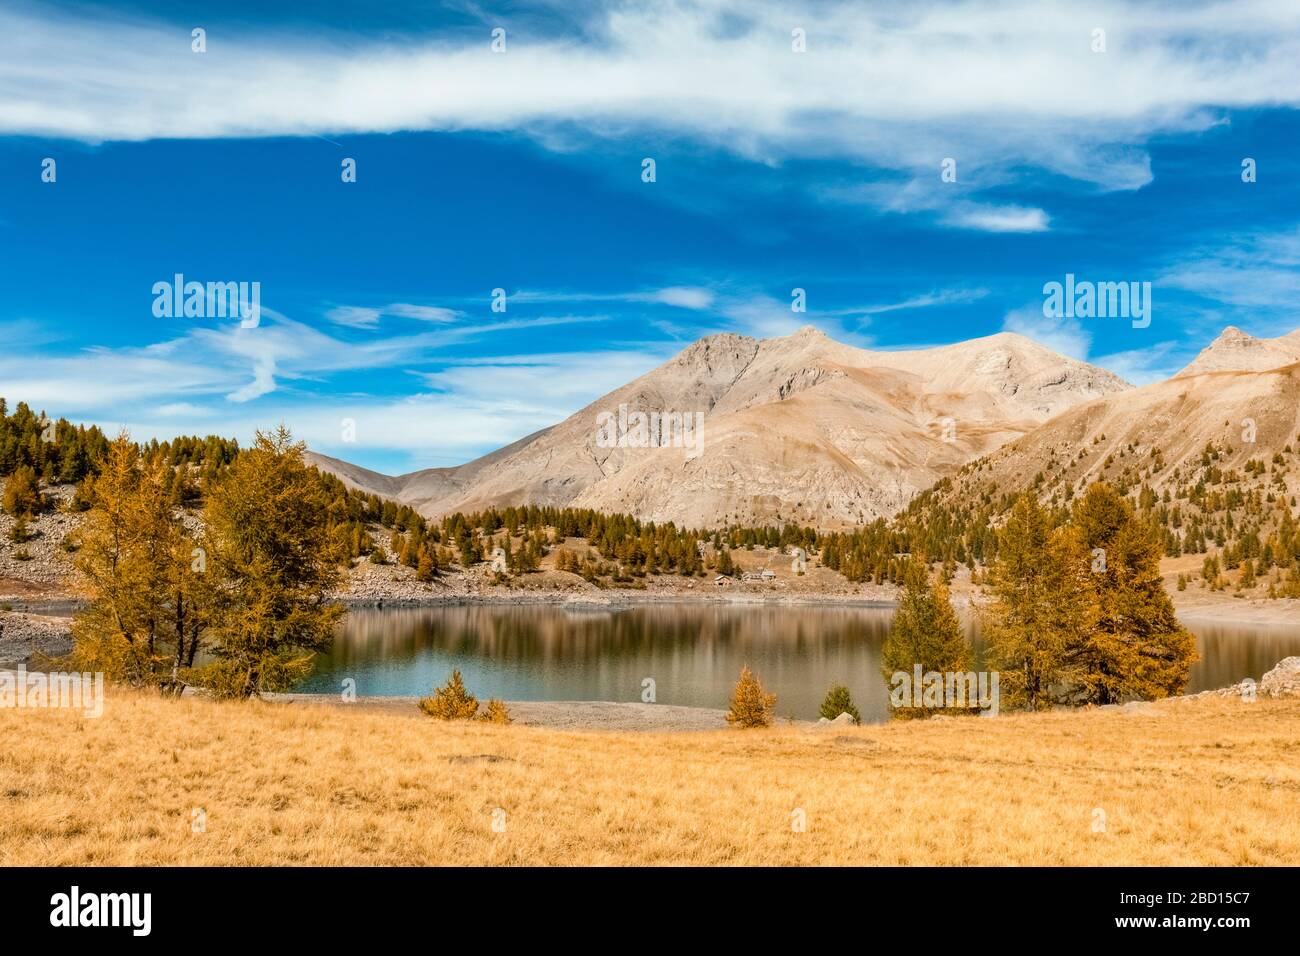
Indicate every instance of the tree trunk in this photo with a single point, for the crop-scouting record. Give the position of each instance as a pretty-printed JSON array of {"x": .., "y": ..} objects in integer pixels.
[
  {"x": 194, "y": 642},
  {"x": 180, "y": 641}
]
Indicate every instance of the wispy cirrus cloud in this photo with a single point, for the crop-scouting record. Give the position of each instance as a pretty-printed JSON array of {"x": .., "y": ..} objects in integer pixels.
[
  {"x": 369, "y": 317},
  {"x": 1063, "y": 335},
  {"x": 459, "y": 411},
  {"x": 995, "y": 84},
  {"x": 1152, "y": 363},
  {"x": 354, "y": 316},
  {"x": 231, "y": 380},
  {"x": 944, "y": 202},
  {"x": 229, "y": 363},
  {"x": 762, "y": 315},
  {"x": 1257, "y": 274},
  {"x": 925, "y": 300},
  {"x": 424, "y": 313},
  {"x": 696, "y": 298}
]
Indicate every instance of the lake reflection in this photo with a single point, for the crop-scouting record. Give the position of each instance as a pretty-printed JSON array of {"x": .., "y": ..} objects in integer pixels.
[{"x": 694, "y": 653}]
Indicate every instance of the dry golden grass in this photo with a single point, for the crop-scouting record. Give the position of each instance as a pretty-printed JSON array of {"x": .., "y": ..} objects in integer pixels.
[{"x": 1204, "y": 782}]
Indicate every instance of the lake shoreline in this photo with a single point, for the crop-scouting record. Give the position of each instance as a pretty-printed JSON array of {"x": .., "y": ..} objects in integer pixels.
[
  {"x": 1228, "y": 611},
  {"x": 636, "y": 716},
  {"x": 26, "y": 637},
  {"x": 584, "y": 715}
]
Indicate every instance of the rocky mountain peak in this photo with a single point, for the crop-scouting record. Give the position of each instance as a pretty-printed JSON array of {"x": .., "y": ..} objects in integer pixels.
[{"x": 1236, "y": 351}]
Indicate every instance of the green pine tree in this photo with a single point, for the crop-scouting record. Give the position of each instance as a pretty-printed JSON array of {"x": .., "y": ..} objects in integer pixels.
[
  {"x": 725, "y": 564},
  {"x": 839, "y": 701},
  {"x": 925, "y": 631},
  {"x": 1136, "y": 648},
  {"x": 1041, "y": 601},
  {"x": 267, "y": 542}
]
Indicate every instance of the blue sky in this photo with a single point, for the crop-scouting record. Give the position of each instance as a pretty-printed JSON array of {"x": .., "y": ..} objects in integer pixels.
[{"x": 522, "y": 170}]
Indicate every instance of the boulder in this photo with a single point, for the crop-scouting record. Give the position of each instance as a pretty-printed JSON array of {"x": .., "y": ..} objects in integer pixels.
[
  {"x": 1283, "y": 680},
  {"x": 1140, "y": 708},
  {"x": 839, "y": 721}
]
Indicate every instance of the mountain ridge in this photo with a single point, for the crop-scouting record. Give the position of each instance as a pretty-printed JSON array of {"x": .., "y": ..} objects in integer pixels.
[
  {"x": 1236, "y": 351},
  {"x": 799, "y": 427},
  {"x": 1211, "y": 451}
]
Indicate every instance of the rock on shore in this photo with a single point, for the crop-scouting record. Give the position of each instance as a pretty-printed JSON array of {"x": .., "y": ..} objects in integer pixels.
[
  {"x": 25, "y": 635},
  {"x": 1282, "y": 681}
]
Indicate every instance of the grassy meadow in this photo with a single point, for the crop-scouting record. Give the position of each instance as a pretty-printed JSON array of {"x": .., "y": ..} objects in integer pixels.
[{"x": 1208, "y": 781}]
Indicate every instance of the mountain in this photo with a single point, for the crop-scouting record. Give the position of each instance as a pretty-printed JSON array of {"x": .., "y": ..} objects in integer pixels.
[
  {"x": 1235, "y": 351},
  {"x": 798, "y": 428},
  {"x": 1223, "y": 435}
]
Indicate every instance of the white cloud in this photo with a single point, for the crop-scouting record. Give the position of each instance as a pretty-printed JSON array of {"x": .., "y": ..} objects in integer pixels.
[
  {"x": 1155, "y": 363},
  {"x": 353, "y": 316},
  {"x": 1065, "y": 336},
  {"x": 227, "y": 362},
  {"x": 1248, "y": 272},
  {"x": 185, "y": 410},
  {"x": 102, "y": 380},
  {"x": 26, "y": 333},
  {"x": 684, "y": 297},
  {"x": 999, "y": 218},
  {"x": 937, "y": 297},
  {"x": 367, "y": 317},
  {"x": 763, "y": 316},
  {"x": 231, "y": 380},
  {"x": 994, "y": 84},
  {"x": 944, "y": 201},
  {"x": 554, "y": 384},
  {"x": 425, "y": 313},
  {"x": 695, "y": 298},
  {"x": 470, "y": 407}
]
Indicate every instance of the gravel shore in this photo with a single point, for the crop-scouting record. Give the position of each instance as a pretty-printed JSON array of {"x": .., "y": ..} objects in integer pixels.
[
  {"x": 24, "y": 635},
  {"x": 557, "y": 714}
]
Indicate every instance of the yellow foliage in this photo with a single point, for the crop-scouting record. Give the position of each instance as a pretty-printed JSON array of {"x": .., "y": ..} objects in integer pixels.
[
  {"x": 452, "y": 702},
  {"x": 750, "y": 706},
  {"x": 496, "y": 713}
]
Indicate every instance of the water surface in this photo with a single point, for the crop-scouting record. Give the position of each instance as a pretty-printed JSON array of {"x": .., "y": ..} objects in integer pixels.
[{"x": 693, "y": 653}]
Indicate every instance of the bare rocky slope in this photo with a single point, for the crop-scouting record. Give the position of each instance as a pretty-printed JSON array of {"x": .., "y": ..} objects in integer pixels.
[
  {"x": 1238, "y": 402},
  {"x": 1235, "y": 351},
  {"x": 799, "y": 428}
]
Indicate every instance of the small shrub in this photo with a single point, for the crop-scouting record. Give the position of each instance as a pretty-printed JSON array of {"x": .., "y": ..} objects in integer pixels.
[
  {"x": 838, "y": 701},
  {"x": 750, "y": 706},
  {"x": 22, "y": 494},
  {"x": 497, "y": 713},
  {"x": 451, "y": 702},
  {"x": 18, "y": 533}
]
